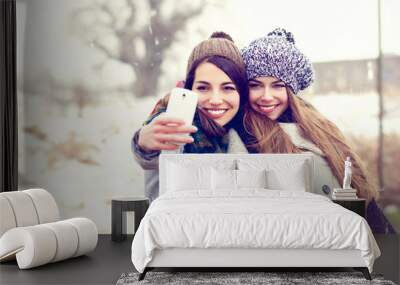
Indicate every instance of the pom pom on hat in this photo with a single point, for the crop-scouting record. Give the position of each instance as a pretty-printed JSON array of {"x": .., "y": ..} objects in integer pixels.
[
  {"x": 280, "y": 32},
  {"x": 221, "y": 35}
]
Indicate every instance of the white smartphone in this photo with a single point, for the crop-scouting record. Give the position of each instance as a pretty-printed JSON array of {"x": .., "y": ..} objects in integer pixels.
[{"x": 182, "y": 105}]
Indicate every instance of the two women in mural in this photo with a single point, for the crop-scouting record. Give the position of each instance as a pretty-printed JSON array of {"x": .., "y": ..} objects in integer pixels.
[{"x": 261, "y": 110}]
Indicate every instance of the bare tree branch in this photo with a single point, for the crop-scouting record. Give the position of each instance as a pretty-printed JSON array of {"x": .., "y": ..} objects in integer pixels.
[{"x": 157, "y": 37}]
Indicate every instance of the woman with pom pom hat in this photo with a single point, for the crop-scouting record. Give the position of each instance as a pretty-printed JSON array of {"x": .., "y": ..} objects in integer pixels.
[
  {"x": 279, "y": 121},
  {"x": 216, "y": 71}
]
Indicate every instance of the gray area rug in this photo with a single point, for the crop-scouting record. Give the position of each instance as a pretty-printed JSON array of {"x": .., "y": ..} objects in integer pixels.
[{"x": 273, "y": 278}]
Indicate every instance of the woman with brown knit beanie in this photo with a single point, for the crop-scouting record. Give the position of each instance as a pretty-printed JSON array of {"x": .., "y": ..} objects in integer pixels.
[
  {"x": 279, "y": 121},
  {"x": 217, "y": 73}
]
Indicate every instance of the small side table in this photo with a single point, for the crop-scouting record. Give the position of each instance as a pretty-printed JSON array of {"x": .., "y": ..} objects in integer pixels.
[
  {"x": 118, "y": 216},
  {"x": 355, "y": 205}
]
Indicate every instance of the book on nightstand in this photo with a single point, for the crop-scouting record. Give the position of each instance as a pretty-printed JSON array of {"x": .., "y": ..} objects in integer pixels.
[{"x": 344, "y": 194}]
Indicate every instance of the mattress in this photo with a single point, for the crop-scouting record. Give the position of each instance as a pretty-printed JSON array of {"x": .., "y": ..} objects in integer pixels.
[{"x": 250, "y": 219}]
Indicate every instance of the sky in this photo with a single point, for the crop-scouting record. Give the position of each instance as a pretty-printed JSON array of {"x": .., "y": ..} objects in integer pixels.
[{"x": 323, "y": 30}]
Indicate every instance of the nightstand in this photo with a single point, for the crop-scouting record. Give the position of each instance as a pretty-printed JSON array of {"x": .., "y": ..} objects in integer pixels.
[
  {"x": 355, "y": 205},
  {"x": 118, "y": 216}
]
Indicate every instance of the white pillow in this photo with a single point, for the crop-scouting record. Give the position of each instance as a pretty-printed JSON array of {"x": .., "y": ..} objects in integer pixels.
[
  {"x": 285, "y": 172},
  {"x": 251, "y": 178},
  {"x": 182, "y": 177},
  {"x": 293, "y": 179},
  {"x": 223, "y": 179}
]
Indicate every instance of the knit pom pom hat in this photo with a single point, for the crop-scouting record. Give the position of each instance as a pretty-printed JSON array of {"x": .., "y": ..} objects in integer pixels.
[
  {"x": 220, "y": 44},
  {"x": 276, "y": 55}
]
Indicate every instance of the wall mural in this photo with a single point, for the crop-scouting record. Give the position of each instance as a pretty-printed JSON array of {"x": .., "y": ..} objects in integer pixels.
[{"x": 91, "y": 72}]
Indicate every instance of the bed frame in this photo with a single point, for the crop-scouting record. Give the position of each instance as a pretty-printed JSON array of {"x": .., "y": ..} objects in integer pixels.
[{"x": 242, "y": 259}]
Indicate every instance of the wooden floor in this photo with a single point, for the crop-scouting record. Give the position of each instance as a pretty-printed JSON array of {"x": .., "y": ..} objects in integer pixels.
[{"x": 111, "y": 259}]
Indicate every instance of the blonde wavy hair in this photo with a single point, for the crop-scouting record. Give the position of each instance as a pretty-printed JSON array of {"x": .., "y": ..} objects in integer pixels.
[{"x": 269, "y": 137}]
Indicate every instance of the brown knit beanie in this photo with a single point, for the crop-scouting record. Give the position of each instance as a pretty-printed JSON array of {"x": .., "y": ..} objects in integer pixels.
[{"x": 220, "y": 44}]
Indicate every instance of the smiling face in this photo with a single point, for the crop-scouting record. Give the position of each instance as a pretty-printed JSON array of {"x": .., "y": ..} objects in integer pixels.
[
  {"x": 268, "y": 96},
  {"x": 218, "y": 95}
]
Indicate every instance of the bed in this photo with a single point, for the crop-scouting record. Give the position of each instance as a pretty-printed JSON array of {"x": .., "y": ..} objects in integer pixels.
[{"x": 258, "y": 210}]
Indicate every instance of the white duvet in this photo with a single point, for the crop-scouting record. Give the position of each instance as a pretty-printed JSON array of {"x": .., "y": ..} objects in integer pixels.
[{"x": 254, "y": 218}]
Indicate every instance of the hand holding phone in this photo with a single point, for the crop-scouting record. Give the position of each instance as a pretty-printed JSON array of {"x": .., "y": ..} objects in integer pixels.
[
  {"x": 182, "y": 105},
  {"x": 172, "y": 128}
]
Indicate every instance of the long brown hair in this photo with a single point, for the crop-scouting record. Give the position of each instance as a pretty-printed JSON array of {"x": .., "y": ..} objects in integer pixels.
[{"x": 269, "y": 137}]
